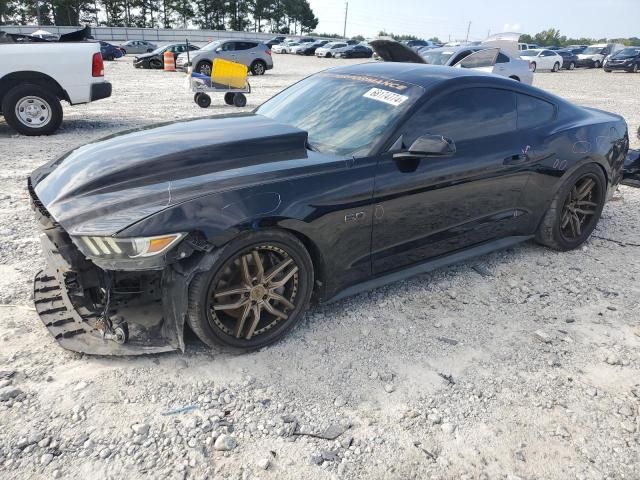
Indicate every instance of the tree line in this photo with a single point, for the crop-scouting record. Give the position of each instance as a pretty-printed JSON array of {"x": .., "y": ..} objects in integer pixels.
[
  {"x": 551, "y": 37},
  {"x": 277, "y": 16}
]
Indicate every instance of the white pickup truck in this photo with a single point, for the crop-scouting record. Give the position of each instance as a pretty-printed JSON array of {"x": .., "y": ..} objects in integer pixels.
[{"x": 36, "y": 77}]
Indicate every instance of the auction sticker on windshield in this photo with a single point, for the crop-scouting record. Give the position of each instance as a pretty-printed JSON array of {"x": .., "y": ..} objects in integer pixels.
[{"x": 386, "y": 96}]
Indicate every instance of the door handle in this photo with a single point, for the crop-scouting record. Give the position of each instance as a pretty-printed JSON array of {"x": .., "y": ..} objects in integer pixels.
[{"x": 516, "y": 159}]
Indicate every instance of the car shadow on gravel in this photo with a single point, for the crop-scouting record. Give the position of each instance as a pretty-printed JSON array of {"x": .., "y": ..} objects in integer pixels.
[{"x": 80, "y": 125}]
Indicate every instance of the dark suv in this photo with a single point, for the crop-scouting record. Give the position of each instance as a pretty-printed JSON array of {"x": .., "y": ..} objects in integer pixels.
[{"x": 627, "y": 59}]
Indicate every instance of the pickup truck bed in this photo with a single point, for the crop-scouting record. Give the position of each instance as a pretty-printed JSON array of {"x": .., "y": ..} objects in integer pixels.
[{"x": 35, "y": 77}]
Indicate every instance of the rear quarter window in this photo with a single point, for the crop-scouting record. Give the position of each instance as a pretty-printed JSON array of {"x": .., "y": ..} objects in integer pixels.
[{"x": 533, "y": 111}]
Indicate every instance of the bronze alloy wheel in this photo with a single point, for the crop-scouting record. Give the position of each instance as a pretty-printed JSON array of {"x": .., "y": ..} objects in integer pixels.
[
  {"x": 581, "y": 208},
  {"x": 253, "y": 292}
]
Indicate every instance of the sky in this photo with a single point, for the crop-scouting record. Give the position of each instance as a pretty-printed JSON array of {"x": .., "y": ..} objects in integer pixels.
[{"x": 449, "y": 19}]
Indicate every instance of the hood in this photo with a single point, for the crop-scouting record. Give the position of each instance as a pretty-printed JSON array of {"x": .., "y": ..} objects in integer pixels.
[
  {"x": 392, "y": 51},
  {"x": 105, "y": 186},
  {"x": 147, "y": 55}
]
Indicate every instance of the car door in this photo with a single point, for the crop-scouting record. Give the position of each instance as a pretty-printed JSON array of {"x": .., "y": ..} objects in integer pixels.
[
  {"x": 447, "y": 204},
  {"x": 502, "y": 66},
  {"x": 228, "y": 51},
  {"x": 483, "y": 60},
  {"x": 546, "y": 60}
]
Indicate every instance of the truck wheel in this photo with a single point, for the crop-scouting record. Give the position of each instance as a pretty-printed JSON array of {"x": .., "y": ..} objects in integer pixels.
[{"x": 32, "y": 110}]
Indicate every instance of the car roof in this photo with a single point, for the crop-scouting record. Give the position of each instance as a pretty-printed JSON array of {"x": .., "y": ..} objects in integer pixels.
[
  {"x": 431, "y": 77},
  {"x": 455, "y": 49}
]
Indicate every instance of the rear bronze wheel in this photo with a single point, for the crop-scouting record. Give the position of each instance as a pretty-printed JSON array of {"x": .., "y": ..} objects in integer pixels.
[
  {"x": 575, "y": 210},
  {"x": 257, "y": 290}
]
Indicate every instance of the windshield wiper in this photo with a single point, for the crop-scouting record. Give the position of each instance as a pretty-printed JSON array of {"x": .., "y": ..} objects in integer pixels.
[{"x": 311, "y": 147}]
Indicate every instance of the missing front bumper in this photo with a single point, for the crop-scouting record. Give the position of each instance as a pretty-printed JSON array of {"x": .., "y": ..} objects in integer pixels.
[{"x": 78, "y": 328}]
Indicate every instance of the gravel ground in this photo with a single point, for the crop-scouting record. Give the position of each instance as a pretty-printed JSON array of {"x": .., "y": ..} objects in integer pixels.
[{"x": 521, "y": 364}]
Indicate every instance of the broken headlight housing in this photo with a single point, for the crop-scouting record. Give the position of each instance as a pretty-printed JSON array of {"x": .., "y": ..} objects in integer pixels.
[{"x": 134, "y": 253}]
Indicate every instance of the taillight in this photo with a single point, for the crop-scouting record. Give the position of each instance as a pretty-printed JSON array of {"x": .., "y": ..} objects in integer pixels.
[
  {"x": 97, "y": 65},
  {"x": 268, "y": 52}
]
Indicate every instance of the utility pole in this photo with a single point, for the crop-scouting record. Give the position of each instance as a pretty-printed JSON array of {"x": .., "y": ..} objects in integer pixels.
[
  {"x": 38, "y": 11},
  {"x": 468, "y": 30},
  {"x": 346, "y": 10}
]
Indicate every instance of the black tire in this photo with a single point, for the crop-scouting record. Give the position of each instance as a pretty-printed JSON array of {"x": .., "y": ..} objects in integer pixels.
[
  {"x": 50, "y": 102},
  {"x": 110, "y": 58},
  {"x": 228, "y": 98},
  {"x": 204, "y": 68},
  {"x": 572, "y": 66},
  {"x": 635, "y": 68},
  {"x": 239, "y": 100},
  {"x": 550, "y": 231},
  {"x": 607, "y": 70},
  {"x": 556, "y": 67},
  {"x": 534, "y": 66},
  {"x": 156, "y": 64},
  {"x": 258, "y": 67},
  {"x": 597, "y": 64},
  {"x": 124, "y": 52},
  {"x": 210, "y": 327},
  {"x": 203, "y": 100}
]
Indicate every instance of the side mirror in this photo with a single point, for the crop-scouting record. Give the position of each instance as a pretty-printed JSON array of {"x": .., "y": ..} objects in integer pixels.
[
  {"x": 218, "y": 50},
  {"x": 429, "y": 146}
]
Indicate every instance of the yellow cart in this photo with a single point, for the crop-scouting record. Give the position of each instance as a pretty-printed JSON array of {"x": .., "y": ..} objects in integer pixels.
[{"x": 227, "y": 77}]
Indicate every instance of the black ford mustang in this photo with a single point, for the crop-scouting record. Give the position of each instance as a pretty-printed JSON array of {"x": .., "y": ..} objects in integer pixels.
[{"x": 347, "y": 180}]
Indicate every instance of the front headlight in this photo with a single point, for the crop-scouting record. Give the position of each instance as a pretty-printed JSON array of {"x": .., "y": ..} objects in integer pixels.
[{"x": 113, "y": 248}]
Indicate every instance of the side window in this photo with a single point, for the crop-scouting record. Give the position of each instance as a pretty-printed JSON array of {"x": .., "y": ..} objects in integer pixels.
[
  {"x": 502, "y": 58},
  {"x": 533, "y": 111},
  {"x": 229, "y": 46},
  {"x": 245, "y": 45},
  {"x": 465, "y": 115}
]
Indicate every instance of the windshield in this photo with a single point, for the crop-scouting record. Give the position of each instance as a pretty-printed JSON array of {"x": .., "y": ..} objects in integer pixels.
[
  {"x": 626, "y": 52},
  {"x": 343, "y": 114},
  {"x": 212, "y": 45},
  {"x": 593, "y": 50},
  {"x": 529, "y": 53},
  {"x": 436, "y": 58}
]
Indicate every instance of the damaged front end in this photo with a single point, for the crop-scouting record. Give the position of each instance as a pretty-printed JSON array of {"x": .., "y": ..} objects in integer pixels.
[{"x": 107, "y": 311}]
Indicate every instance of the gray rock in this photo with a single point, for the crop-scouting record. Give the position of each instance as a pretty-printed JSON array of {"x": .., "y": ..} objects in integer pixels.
[
  {"x": 141, "y": 428},
  {"x": 330, "y": 455},
  {"x": 46, "y": 459},
  {"x": 44, "y": 442},
  {"x": 613, "y": 360},
  {"x": 181, "y": 364},
  {"x": 316, "y": 459},
  {"x": 8, "y": 393},
  {"x": 225, "y": 443},
  {"x": 340, "y": 401},
  {"x": 105, "y": 453},
  {"x": 448, "y": 427},
  {"x": 264, "y": 463},
  {"x": 434, "y": 418},
  {"x": 389, "y": 388},
  {"x": 542, "y": 336}
]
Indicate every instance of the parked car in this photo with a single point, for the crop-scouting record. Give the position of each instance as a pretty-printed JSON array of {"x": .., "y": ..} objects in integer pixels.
[
  {"x": 32, "y": 86},
  {"x": 45, "y": 35},
  {"x": 155, "y": 59},
  {"x": 310, "y": 48},
  {"x": 348, "y": 180},
  {"x": 593, "y": 56},
  {"x": 277, "y": 40},
  {"x": 542, "y": 59},
  {"x": 138, "y": 46},
  {"x": 569, "y": 59},
  {"x": 252, "y": 53},
  {"x": 494, "y": 61},
  {"x": 527, "y": 46},
  {"x": 284, "y": 47},
  {"x": 110, "y": 52},
  {"x": 627, "y": 59},
  {"x": 326, "y": 50},
  {"x": 299, "y": 47},
  {"x": 577, "y": 48},
  {"x": 419, "y": 44},
  {"x": 353, "y": 51}
]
